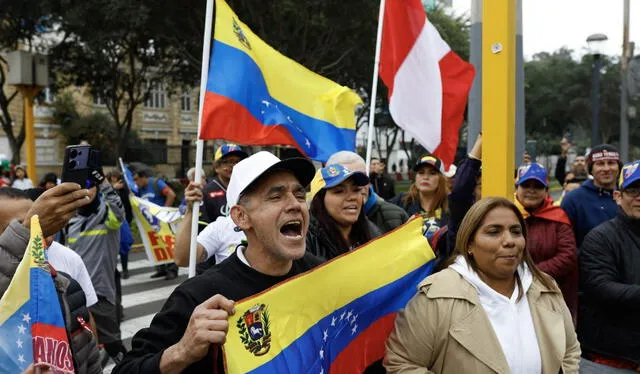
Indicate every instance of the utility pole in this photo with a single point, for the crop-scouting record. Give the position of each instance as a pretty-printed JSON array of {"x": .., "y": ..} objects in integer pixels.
[
  {"x": 520, "y": 107},
  {"x": 627, "y": 53},
  {"x": 498, "y": 97}
]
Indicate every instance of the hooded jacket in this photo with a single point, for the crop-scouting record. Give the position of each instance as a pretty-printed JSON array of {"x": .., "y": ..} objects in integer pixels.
[
  {"x": 587, "y": 207},
  {"x": 95, "y": 235},
  {"x": 552, "y": 245}
]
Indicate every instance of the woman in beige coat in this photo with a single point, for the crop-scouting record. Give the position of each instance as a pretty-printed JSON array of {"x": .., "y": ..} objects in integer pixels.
[{"x": 490, "y": 311}]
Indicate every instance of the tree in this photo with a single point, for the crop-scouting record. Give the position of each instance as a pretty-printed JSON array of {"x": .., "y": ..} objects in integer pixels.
[
  {"x": 20, "y": 24},
  {"x": 120, "y": 55},
  {"x": 558, "y": 99}
]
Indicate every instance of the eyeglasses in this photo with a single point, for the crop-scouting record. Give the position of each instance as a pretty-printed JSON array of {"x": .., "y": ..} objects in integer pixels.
[{"x": 632, "y": 192}]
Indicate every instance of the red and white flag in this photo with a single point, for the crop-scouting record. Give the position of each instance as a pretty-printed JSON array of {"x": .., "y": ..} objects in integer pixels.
[{"x": 428, "y": 83}]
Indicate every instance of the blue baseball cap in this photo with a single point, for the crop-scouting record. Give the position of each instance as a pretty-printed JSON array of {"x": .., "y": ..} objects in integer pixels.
[
  {"x": 334, "y": 174},
  {"x": 533, "y": 171},
  {"x": 630, "y": 174},
  {"x": 228, "y": 149}
]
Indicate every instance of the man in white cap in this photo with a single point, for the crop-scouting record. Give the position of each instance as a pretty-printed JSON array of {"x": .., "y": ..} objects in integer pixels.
[{"x": 267, "y": 201}]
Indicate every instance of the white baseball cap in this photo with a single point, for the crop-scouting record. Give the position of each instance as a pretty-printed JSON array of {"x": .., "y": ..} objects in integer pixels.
[{"x": 253, "y": 167}]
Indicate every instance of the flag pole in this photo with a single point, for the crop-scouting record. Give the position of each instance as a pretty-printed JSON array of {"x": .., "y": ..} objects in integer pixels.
[
  {"x": 374, "y": 86},
  {"x": 204, "y": 74}
]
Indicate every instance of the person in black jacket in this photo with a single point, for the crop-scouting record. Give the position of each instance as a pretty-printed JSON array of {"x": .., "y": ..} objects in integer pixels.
[
  {"x": 338, "y": 222},
  {"x": 609, "y": 317},
  {"x": 267, "y": 200},
  {"x": 381, "y": 182}
]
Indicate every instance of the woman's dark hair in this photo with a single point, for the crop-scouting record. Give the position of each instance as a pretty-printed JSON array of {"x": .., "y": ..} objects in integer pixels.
[
  {"x": 471, "y": 224},
  {"x": 328, "y": 227}
]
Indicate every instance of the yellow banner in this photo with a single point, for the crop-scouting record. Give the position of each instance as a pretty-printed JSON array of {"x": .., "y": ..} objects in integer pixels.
[{"x": 157, "y": 229}]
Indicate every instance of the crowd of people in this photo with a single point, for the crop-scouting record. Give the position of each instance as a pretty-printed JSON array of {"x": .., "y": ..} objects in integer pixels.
[{"x": 522, "y": 286}]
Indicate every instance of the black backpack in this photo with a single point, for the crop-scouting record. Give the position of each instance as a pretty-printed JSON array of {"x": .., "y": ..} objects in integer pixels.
[{"x": 175, "y": 185}]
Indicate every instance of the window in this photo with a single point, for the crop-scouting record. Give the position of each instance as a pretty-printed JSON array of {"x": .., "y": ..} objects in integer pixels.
[
  {"x": 98, "y": 100},
  {"x": 185, "y": 103},
  {"x": 157, "y": 97},
  {"x": 46, "y": 96},
  {"x": 157, "y": 149}
]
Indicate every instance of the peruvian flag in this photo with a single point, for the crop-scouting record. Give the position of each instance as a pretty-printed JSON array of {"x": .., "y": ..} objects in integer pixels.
[{"x": 428, "y": 83}]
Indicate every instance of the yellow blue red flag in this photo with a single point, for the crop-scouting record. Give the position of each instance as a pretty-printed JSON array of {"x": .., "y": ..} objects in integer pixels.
[
  {"x": 335, "y": 318},
  {"x": 257, "y": 96},
  {"x": 31, "y": 325}
]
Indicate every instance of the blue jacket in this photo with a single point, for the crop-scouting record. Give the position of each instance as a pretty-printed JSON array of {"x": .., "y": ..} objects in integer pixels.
[{"x": 587, "y": 207}]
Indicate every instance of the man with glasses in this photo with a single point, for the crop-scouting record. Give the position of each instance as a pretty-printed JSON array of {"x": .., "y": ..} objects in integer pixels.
[
  {"x": 215, "y": 192},
  {"x": 609, "y": 327}
]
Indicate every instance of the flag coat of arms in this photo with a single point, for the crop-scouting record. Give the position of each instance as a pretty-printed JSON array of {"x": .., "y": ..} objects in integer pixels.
[
  {"x": 335, "y": 318},
  {"x": 32, "y": 328},
  {"x": 428, "y": 82},
  {"x": 257, "y": 96}
]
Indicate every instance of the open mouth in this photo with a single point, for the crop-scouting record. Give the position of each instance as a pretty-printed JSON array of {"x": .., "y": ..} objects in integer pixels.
[{"x": 292, "y": 229}]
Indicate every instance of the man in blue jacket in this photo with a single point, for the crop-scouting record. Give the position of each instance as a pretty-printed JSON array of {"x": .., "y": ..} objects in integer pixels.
[{"x": 593, "y": 203}]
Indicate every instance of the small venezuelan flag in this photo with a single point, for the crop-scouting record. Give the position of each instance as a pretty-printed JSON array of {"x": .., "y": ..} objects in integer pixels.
[
  {"x": 335, "y": 318},
  {"x": 257, "y": 96},
  {"x": 32, "y": 329}
]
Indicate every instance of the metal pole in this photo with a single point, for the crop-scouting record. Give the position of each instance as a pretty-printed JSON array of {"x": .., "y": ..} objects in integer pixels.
[
  {"x": 595, "y": 101},
  {"x": 624, "y": 98},
  {"x": 204, "y": 74},
  {"x": 374, "y": 86},
  {"x": 475, "y": 57},
  {"x": 498, "y": 97},
  {"x": 28, "y": 94},
  {"x": 520, "y": 107}
]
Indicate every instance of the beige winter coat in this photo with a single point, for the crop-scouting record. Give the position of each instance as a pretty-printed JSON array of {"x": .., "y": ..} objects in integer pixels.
[{"x": 445, "y": 330}]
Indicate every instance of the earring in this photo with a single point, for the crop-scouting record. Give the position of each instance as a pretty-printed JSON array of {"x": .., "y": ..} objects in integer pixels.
[{"x": 470, "y": 254}]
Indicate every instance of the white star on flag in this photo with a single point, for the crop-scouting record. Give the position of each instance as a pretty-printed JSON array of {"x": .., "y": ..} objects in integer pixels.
[
  {"x": 333, "y": 321},
  {"x": 26, "y": 318},
  {"x": 266, "y": 103},
  {"x": 289, "y": 119},
  {"x": 21, "y": 329},
  {"x": 307, "y": 142},
  {"x": 19, "y": 342},
  {"x": 353, "y": 330},
  {"x": 321, "y": 371},
  {"x": 349, "y": 314},
  {"x": 21, "y": 358},
  {"x": 325, "y": 335},
  {"x": 342, "y": 315},
  {"x": 321, "y": 354},
  {"x": 353, "y": 320}
]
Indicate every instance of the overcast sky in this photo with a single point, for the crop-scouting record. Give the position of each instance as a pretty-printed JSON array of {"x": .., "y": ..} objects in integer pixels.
[{"x": 551, "y": 24}]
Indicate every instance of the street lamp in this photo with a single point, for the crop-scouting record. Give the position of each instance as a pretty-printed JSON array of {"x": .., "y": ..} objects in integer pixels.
[{"x": 596, "y": 44}]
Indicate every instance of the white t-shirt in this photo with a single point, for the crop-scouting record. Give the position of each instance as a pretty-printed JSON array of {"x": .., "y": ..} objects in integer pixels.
[
  {"x": 220, "y": 239},
  {"x": 66, "y": 260},
  {"x": 24, "y": 184}
]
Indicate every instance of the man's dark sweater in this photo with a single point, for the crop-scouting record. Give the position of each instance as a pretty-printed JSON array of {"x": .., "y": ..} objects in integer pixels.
[{"x": 232, "y": 278}]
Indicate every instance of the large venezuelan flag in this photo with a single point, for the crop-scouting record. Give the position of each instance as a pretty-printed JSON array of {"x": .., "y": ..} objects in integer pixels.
[
  {"x": 257, "y": 96},
  {"x": 334, "y": 318},
  {"x": 31, "y": 325}
]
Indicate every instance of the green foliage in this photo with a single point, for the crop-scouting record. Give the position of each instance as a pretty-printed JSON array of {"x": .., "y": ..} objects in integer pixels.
[
  {"x": 558, "y": 101},
  {"x": 96, "y": 128}
]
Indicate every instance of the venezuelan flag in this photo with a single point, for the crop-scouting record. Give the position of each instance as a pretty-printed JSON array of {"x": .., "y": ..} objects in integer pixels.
[
  {"x": 31, "y": 325},
  {"x": 257, "y": 96},
  {"x": 335, "y": 318}
]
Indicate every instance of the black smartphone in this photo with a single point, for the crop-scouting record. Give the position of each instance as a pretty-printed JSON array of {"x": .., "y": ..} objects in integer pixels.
[{"x": 79, "y": 162}]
